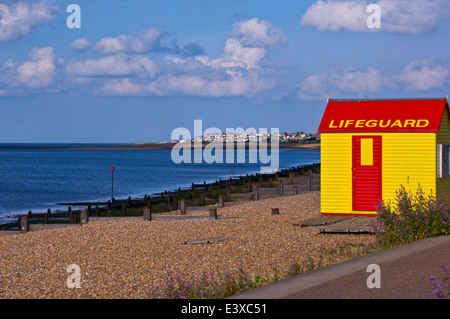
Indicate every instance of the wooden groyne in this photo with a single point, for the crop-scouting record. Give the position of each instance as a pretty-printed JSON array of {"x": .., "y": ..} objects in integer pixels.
[{"x": 221, "y": 193}]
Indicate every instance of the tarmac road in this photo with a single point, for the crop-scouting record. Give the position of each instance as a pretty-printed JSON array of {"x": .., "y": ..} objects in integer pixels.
[{"x": 404, "y": 273}]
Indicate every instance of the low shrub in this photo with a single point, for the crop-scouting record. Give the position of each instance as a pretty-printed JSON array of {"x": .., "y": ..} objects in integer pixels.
[
  {"x": 217, "y": 285},
  {"x": 411, "y": 217},
  {"x": 213, "y": 285},
  {"x": 441, "y": 289}
]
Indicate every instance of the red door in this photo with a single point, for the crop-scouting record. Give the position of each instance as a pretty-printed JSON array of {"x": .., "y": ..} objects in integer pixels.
[{"x": 366, "y": 158}]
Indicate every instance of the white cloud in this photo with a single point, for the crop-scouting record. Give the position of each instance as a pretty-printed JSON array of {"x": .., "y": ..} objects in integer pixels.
[
  {"x": 423, "y": 75},
  {"x": 336, "y": 16},
  {"x": 235, "y": 55},
  {"x": 81, "y": 44},
  {"x": 113, "y": 65},
  {"x": 8, "y": 74},
  {"x": 122, "y": 87},
  {"x": 398, "y": 16},
  {"x": 140, "y": 43},
  {"x": 17, "y": 19},
  {"x": 411, "y": 16},
  {"x": 154, "y": 39},
  {"x": 200, "y": 86},
  {"x": 40, "y": 70},
  {"x": 247, "y": 46},
  {"x": 334, "y": 83},
  {"x": 258, "y": 33},
  {"x": 37, "y": 73},
  {"x": 188, "y": 85},
  {"x": 237, "y": 72}
]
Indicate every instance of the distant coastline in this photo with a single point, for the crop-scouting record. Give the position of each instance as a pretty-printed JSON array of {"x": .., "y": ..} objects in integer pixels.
[{"x": 139, "y": 146}]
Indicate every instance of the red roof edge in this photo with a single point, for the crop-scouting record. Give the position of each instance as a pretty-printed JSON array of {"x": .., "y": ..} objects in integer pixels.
[{"x": 383, "y": 115}]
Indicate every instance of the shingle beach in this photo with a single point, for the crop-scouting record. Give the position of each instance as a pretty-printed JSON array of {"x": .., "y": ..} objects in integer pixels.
[{"x": 125, "y": 259}]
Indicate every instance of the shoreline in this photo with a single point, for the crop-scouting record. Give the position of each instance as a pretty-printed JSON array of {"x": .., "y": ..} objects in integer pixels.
[
  {"x": 143, "y": 146},
  {"x": 6, "y": 217},
  {"x": 61, "y": 207}
]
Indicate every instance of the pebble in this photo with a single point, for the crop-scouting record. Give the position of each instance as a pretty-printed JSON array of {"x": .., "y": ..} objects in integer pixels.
[{"x": 126, "y": 259}]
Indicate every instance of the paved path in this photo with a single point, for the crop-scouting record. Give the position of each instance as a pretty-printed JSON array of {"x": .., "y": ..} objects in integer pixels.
[{"x": 404, "y": 271}]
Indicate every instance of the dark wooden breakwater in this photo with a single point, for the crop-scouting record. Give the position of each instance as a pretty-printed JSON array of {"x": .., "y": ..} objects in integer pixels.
[{"x": 236, "y": 188}]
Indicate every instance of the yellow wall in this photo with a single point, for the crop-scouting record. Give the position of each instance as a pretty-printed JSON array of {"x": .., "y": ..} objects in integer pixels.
[
  {"x": 407, "y": 159},
  {"x": 335, "y": 173},
  {"x": 443, "y": 137}
]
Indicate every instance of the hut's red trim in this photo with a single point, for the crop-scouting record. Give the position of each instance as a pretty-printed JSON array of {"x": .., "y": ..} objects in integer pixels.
[{"x": 353, "y": 116}]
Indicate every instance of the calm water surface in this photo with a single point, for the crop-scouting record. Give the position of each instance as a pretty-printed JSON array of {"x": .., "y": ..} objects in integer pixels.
[{"x": 37, "y": 179}]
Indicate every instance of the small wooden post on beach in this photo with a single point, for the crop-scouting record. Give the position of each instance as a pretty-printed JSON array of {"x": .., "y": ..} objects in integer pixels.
[
  {"x": 168, "y": 200},
  {"x": 84, "y": 217},
  {"x": 74, "y": 218},
  {"x": 183, "y": 207},
  {"x": 202, "y": 198},
  {"x": 147, "y": 214},
  {"x": 295, "y": 190},
  {"x": 255, "y": 192},
  {"x": 220, "y": 200},
  {"x": 47, "y": 216},
  {"x": 96, "y": 210},
  {"x": 175, "y": 202},
  {"x": 280, "y": 187},
  {"x": 308, "y": 184},
  {"x": 228, "y": 194},
  {"x": 24, "y": 224},
  {"x": 213, "y": 213},
  {"x": 291, "y": 178}
]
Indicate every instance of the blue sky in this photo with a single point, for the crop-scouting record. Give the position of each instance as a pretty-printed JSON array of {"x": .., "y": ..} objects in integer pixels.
[{"x": 136, "y": 70}]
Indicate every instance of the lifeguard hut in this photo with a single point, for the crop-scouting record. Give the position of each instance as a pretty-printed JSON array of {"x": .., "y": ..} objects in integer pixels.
[{"x": 370, "y": 148}]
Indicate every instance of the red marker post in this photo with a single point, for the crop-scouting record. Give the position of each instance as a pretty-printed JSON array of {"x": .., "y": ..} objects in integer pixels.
[{"x": 112, "y": 169}]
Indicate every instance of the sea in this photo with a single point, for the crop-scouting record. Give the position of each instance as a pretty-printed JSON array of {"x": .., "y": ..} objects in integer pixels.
[{"x": 35, "y": 178}]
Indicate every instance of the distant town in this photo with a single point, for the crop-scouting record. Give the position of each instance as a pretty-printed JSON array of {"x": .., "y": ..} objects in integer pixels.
[{"x": 298, "y": 137}]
